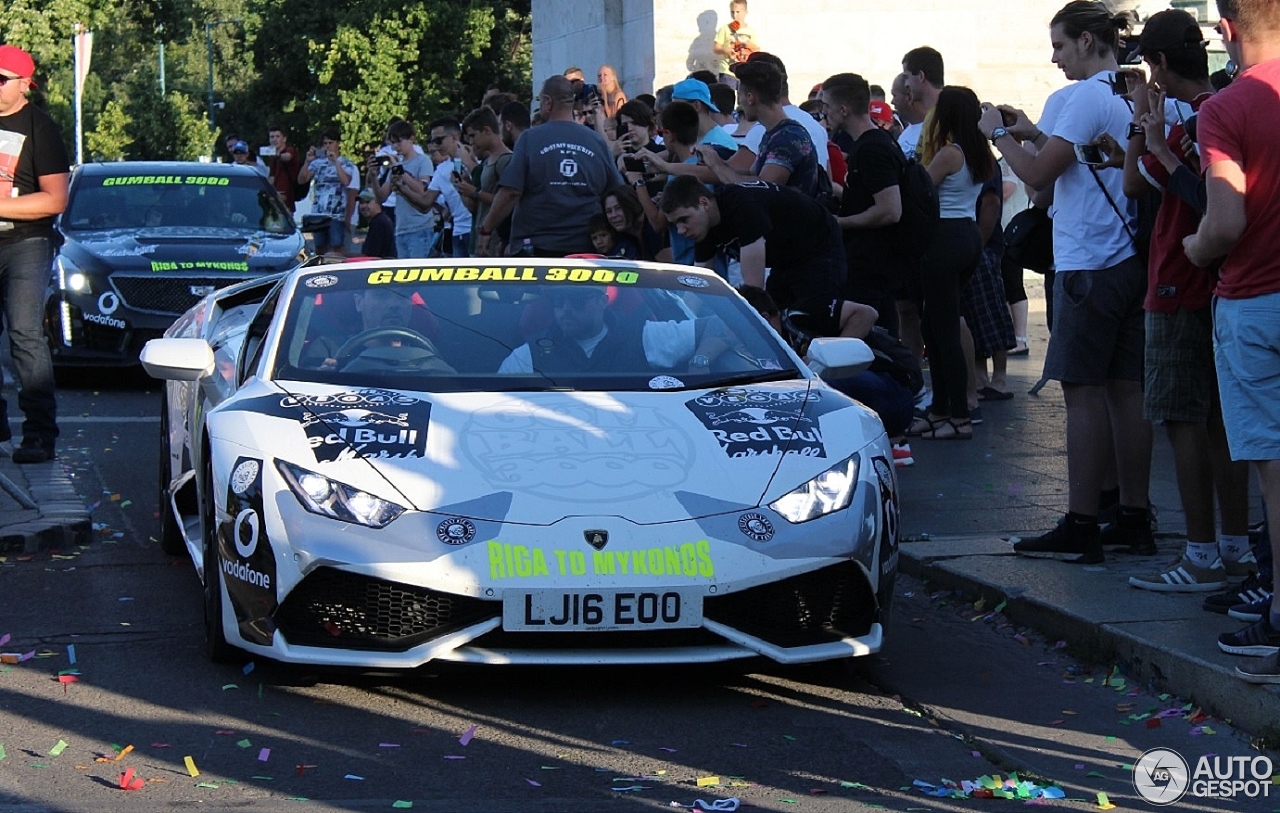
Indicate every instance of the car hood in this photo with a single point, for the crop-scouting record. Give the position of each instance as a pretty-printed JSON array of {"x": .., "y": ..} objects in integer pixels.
[
  {"x": 538, "y": 457},
  {"x": 181, "y": 249}
]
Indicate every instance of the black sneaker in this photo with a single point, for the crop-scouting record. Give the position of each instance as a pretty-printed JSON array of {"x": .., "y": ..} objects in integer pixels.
[
  {"x": 1257, "y": 640},
  {"x": 1073, "y": 542},
  {"x": 1250, "y": 590},
  {"x": 1131, "y": 533},
  {"x": 33, "y": 451},
  {"x": 1251, "y": 612}
]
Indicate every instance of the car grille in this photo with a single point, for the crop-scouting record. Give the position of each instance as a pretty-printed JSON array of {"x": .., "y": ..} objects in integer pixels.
[
  {"x": 813, "y": 608},
  {"x": 340, "y": 610},
  {"x": 165, "y": 292}
]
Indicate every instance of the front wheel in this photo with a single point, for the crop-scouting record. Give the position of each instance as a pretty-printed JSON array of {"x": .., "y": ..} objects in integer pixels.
[{"x": 216, "y": 646}]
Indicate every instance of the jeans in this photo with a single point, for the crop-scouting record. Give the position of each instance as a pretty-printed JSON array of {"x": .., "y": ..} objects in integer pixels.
[
  {"x": 417, "y": 245},
  {"x": 24, "y": 276},
  {"x": 462, "y": 245}
]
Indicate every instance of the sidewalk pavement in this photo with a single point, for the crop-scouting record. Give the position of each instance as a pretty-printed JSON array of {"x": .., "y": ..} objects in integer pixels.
[{"x": 963, "y": 501}]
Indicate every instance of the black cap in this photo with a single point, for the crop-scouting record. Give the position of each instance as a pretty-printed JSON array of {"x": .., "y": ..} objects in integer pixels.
[{"x": 1170, "y": 30}]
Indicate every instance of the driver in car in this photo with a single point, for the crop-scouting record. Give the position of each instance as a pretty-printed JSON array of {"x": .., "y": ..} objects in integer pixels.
[
  {"x": 587, "y": 337},
  {"x": 385, "y": 340}
]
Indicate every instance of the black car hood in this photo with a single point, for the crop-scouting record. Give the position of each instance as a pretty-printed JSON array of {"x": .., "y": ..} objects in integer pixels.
[{"x": 181, "y": 249}]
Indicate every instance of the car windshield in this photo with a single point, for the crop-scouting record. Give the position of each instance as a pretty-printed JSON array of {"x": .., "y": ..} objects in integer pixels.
[
  {"x": 185, "y": 201},
  {"x": 589, "y": 326}
]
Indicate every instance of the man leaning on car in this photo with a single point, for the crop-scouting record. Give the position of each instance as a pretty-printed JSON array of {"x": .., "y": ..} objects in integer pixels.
[{"x": 33, "y": 190}]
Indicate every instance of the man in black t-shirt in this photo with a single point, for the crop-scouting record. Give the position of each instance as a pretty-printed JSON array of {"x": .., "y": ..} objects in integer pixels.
[
  {"x": 782, "y": 229},
  {"x": 33, "y": 190},
  {"x": 872, "y": 204}
]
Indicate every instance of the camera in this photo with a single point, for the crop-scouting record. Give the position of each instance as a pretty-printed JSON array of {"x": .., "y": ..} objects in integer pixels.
[
  {"x": 1008, "y": 118},
  {"x": 383, "y": 161},
  {"x": 398, "y": 169},
  {"x": 632, "y": 164},
  {"x": 1120, "y": 82}
]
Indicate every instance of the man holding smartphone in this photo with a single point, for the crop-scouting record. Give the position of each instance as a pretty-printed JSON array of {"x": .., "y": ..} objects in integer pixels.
[
  {"x": 446, "y": 140},
  {"x": 415, "y": 226},
  {"x": 1096, "y": 346}
]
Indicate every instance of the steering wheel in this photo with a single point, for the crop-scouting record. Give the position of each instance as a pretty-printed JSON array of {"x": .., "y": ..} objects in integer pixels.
[{"x": 413, "y": 337}]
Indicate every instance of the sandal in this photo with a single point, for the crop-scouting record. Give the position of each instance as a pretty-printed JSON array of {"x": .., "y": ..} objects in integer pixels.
[
  {"x": 990, "y": 393},
  {"x": 924, "y": 423},
  {"x": 949, "y": 429}
]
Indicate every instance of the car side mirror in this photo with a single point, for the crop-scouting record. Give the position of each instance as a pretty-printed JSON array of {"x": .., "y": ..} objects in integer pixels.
[
  {"x": 178, "y": 359},
  {"x": 834, "y": 358}
]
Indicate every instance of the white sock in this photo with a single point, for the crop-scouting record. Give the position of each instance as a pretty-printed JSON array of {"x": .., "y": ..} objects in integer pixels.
[
  {"x": 1202, "y": 554},
  {"x": 1232, "y": 548}
]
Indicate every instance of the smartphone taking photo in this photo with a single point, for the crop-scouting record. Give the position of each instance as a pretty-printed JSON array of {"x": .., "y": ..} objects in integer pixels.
[{"x": 1090, "y": 154}]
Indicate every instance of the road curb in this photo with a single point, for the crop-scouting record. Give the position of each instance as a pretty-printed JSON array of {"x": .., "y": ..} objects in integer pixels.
[
  {"x": 1145, "y": 659},
  {"x": 60, "y": 520}
]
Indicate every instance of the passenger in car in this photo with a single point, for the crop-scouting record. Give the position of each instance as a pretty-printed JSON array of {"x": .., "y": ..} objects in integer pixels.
[{"x": 587, "y": 336}]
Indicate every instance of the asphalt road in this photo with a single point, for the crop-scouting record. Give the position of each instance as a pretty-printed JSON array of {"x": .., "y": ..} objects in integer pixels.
[{"x": 958, "y": 693}]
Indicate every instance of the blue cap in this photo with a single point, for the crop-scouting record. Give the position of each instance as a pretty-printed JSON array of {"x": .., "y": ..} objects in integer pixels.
[
  {"x": 693, "y": 90},
  {"x": 239, "y": 146}
]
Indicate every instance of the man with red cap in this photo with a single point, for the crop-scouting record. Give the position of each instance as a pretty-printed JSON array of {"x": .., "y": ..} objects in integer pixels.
[{"x": 33, "y": 190}]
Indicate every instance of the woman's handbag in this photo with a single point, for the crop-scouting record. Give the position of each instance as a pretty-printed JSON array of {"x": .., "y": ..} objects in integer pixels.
[{"x": 1028, "y": 240}]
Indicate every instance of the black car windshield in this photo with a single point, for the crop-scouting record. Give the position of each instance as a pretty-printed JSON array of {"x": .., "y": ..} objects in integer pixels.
[
  {"x": 183, "y": 200},
  {"x": 589, "y": 326}
]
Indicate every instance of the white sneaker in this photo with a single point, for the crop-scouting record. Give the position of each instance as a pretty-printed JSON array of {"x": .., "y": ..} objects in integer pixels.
[
  {"x": 902, "y": 455},
  {"x": 1185, "y": 577}
]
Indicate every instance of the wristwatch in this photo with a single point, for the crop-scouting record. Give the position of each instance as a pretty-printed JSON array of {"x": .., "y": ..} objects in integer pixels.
[
  {"x": 700, "y": 360},
  {"x": 1135, "y": 129},
  {"x": 998, "y": 133},
  {"x": 638, "y": 182}
]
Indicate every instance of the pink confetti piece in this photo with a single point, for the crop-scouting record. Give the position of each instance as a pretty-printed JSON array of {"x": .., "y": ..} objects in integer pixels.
[
  {"x": 533, "y": 783},
  {"x": 4, "y": 639},
  {"x": 388, "y": 745},
  {"x": 453, "y": 756},
  {"x": 738, "y": 744},
  {"x": 466, "y": 736},
  {"x": 264, "y": 754},
  {"x": 161, "y": 745},
  {"x": 224, "y": 732}
]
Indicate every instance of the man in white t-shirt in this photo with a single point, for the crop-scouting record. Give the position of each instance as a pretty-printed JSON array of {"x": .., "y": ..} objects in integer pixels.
[
  {"x": 922, "y": 78},
  {"x": 1096, "y": 347}
]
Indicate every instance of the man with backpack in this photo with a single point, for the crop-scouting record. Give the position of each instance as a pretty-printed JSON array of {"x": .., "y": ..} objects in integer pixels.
[{"x": 889, "y": 208}]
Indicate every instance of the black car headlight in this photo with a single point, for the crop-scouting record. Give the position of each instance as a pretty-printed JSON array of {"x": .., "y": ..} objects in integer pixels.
[
  {"x": 830, "y": 491},
  {"x": 329, "y": 498}
]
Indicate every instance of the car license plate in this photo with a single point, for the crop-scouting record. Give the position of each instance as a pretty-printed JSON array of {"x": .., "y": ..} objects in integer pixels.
[{"x": 576, "y": 611}]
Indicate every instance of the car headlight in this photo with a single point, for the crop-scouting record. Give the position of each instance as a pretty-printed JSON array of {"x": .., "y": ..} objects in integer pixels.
[
  {"x": 71, "y": 278},
  {"x": 329, "y": 498},
  {"x": 828, "y": 492}
]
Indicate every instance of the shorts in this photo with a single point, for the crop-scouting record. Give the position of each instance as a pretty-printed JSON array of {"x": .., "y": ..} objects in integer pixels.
[
  {"x": 1180, "y": 383},
  {"x": 1097, "y": 325},
  {"x": 815, "y": 317},
  {"x": 1246, "y": 333},
  {"x": 333, "y": 238}
]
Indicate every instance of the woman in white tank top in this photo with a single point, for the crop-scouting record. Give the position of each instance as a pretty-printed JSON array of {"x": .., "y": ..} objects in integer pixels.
[{"x": 959, "y": 161}]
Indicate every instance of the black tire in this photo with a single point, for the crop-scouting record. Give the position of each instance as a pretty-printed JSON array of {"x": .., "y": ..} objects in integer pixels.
[
  {"x": 171, "y": 540},
  {"x": 216, "y": 646}
]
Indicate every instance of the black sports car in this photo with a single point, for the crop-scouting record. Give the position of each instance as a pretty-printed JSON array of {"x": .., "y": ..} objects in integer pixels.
[{"x": 144, "y": 241}]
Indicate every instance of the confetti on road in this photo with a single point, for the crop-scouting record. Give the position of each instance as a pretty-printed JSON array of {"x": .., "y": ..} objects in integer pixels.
[
  {"x": 1104, "y": 803},
  {"x": 466, "y": 736},
  {"x": 264, "y": 754},
  {"x": 191, "y": 766},
  {"x": 130, "y": 782},
  {"x": 402, "y": 804},
  {"x": 58, "y": 748},
  {"x": 708, "y": 781},
  {"x": 244, "y": 744},
  {"x": 533, "y": 783}
]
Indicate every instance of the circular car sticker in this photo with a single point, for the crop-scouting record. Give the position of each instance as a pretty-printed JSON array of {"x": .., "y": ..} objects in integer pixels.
[
  {"x": 665, "y": 382},
  {"x": 692, "y": 281},
  {"x": 456, "y": 531},
  {"x": 244, "y": 476},
  {"x": 107, "y": 303},
  {"x": 322, "y": 281},
  {"x": 756, "y": 526}
]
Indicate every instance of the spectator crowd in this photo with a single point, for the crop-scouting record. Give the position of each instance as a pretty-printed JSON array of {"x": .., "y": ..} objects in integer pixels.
[{"x": 874, "y": 215}]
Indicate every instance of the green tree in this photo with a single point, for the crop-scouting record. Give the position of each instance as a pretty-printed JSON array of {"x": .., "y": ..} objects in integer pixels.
[{"x": 109, "y": 139}]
